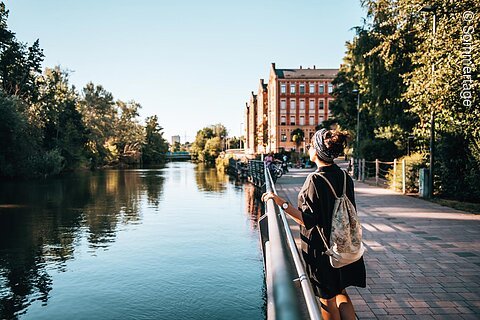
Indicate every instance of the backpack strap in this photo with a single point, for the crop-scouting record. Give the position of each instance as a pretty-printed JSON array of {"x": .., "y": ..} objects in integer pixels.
[
  {"x": 331, "y": 187},
  {"x": 324, "y": 239}
]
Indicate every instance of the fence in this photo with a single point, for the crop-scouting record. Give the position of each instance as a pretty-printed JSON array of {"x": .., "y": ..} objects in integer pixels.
[
  {"x": 383, "y": 173},
  {"x": 283, "y": 265}
]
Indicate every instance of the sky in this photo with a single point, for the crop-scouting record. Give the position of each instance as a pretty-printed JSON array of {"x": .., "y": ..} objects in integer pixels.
[{"x": 192, "y": 63}]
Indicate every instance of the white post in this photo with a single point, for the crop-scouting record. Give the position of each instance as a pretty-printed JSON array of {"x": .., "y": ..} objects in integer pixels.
[
  {"x": 394, "y": 184},
  {"x": 377, "y": 171},
  {"x": 404, "y": 175},
  {"x": 359, "y": 169},
  {"x": 363, "y": 170}
]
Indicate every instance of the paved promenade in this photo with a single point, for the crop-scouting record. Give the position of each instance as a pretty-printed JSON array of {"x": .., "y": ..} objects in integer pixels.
[{"x": 423, "y": 260}]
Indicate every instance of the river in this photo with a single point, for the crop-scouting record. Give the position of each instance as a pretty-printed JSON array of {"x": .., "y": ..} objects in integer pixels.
[{"x": 178, "y": 242}]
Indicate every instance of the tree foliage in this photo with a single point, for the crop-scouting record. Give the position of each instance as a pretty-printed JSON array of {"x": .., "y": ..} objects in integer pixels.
[
  {"x": 390, "y": 62},
  {"x": 46, "y": 126},
  {"x": 208, "y": 143},
  {"x": 155, "y": 146}
]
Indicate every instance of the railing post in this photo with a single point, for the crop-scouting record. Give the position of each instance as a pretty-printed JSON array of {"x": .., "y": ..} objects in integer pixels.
[
  {"x": 363, "y": 170},
  {"x": 377, "y": 171},
  {"x": 359, "y": 169},
  {"x": 394, "y": 174},
  {"x": 404, "y": 175}
]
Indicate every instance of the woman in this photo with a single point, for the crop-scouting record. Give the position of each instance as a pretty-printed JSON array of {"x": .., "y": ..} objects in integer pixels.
[{"x": 315, "y": 208}]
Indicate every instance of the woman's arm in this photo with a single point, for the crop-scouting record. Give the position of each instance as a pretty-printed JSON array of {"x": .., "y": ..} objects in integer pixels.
[{"x": 291, "y": 210}]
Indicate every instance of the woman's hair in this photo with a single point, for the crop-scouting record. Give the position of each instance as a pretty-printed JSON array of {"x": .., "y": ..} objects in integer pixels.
[
  {"x": 336, "y": 141},
  {"x": 329, "y": 144}
]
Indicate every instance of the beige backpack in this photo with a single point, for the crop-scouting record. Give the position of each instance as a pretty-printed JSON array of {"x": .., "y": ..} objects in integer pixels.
[{"x": 346, "y": 244}]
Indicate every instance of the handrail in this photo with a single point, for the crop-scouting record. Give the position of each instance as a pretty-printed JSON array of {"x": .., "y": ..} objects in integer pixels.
[{"x": 307, "y": 290}]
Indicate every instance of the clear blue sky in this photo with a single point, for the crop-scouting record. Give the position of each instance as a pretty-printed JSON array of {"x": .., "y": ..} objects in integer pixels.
[{"x": 193, "y": 63}]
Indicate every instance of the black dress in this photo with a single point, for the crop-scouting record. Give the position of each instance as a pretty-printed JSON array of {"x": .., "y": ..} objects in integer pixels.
[{"x": 316, "y": 201}]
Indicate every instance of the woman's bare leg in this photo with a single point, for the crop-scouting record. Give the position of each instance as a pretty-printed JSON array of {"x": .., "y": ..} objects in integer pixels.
[
  {"x": 329, "y": 309},
  {"x": 345, "y": 306}
]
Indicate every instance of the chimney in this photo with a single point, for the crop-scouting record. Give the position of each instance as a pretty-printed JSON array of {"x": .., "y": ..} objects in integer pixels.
[
  {"x": 273, "y": 65},
  {"x": 300, "y": 67},
  {"x": 314, "y": 67}
]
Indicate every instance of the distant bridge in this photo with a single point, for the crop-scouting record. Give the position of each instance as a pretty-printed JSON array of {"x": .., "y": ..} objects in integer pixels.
[{"x": 180, "y": 155}]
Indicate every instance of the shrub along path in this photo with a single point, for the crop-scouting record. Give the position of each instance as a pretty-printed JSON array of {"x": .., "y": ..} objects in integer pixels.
[{"x": 423, "y": 259}]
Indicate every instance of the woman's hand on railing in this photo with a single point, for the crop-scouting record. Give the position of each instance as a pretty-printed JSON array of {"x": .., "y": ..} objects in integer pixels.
[
  {"x": 270, "y": 195},
  {"x": 290, "y": 210}
]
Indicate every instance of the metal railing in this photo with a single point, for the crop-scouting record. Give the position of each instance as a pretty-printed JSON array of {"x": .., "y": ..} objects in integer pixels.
[{"x": 279, "y": 249}]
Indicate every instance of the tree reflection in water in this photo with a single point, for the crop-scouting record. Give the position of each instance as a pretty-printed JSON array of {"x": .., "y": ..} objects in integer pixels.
[
  {"x": 41, "y": 223},
  {"x": 209, "y": 178}
]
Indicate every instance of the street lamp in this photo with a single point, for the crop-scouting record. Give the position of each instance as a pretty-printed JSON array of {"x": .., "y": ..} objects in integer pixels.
[
  {"x": 357, "y": 92},
  {"x": 431, "y": 9},
  {"x": 240, "y": 138}
]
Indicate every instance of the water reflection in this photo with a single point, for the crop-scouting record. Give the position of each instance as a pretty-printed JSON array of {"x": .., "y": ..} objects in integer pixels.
[
  {"x": 210, "y": 179},
  {"x": 253, "y": 204},
  {"x": 42, "y": 222}
]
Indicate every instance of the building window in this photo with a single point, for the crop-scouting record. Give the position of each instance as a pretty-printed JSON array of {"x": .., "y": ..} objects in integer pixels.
[
  {"x": 321, "y": 104},
  {"x": 311, "y": 120},
  {"x": 321, "y": 88},
  {"x": 311, "y": 105},
  {"x": 312, "y": 88},
  {"x": 283, "y": 120},
  {"x": 302, "y": 120},
  {"x": 292, "y": 120},
  {"x": 302, "y": 88},
  {"x": 292, "y": 88},
  {"x": 284, "y": 137},
  {"x": 283, "y": 88},
  {"x": 283, "y": 104},
  {"x": 293, "y": 105},
  {"x": 302, "y": 104},
  {"x": 330, "y": 88},
  {"x": 320, "y": 119}
]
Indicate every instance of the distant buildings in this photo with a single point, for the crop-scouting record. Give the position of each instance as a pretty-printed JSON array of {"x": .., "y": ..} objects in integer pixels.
[
  {"x": 175, "y": 139},
  {"x": 292, "y": 99}
]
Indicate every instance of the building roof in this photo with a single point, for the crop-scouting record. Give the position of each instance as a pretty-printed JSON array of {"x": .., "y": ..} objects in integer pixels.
[{"x": 306, "y": 73}]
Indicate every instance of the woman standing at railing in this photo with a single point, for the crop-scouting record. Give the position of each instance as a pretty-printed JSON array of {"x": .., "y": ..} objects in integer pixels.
[{"x": 315, "y": 209}]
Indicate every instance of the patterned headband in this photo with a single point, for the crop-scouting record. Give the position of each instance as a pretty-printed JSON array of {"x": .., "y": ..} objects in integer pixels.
[{"x": 321, "y": 148}]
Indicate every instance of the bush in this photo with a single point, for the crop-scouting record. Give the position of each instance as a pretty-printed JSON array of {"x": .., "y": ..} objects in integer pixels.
[
  {"x": 222, "y": 162},
  {"x": 46, "y": 164},
  {"x": 413, "y": 164},
  {"x": 457, "y": 169}
]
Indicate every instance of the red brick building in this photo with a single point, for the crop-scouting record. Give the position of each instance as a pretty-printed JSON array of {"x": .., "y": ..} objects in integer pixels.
[{"x": 292, "y": 99}]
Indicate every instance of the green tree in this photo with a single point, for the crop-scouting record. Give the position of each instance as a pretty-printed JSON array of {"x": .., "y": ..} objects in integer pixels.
[
  {"x": 204, "y": 152},
  {"x": 155, "y": 147},
  {"x": 99, "y": 114},
  {"x": 298, "y": 136},
  {"x": 55, "y": 112},
  {"x": 17, "y": 144},
  {"x": 19, "y": 63},
  {"x": 390, "y": 62},
  {"x": 129, "y": 133}
]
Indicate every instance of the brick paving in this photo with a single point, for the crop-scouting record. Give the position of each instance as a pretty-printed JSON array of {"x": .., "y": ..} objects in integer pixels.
[{"x": 422, "y": 259}]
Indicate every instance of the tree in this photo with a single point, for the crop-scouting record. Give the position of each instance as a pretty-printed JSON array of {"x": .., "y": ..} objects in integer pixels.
[
  {"x": 99, "y": 115},
  {"x": 19, "y": 63},
  {"x": 55, "y": 113},
  {"x": 155, "y": 147},
  {"x": 17, "y": 143},
  {"x": 390, "y": 62},
  {"x": 204, "y": 152},
  {"x": 129, "y": 134},
  {"x": 298, "y": 136}
]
